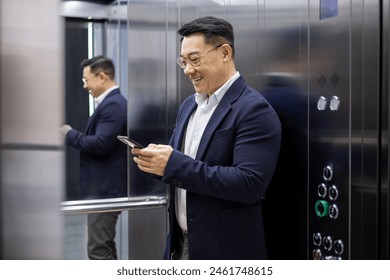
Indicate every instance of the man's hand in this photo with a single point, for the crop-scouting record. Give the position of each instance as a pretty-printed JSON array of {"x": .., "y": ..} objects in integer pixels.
[
  {"x": 152, "y": 159},
  {"x": 65, "y": 129}
]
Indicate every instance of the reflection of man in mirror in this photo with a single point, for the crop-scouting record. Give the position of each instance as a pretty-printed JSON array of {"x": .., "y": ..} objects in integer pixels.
[{"x": 103, "y": 159}]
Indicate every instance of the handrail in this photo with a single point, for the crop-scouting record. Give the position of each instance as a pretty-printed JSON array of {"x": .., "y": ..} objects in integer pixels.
[{"x": 112, "y": 204}]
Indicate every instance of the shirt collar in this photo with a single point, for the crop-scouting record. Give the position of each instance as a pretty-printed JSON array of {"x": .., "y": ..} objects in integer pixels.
[
  {"x": 215, "y": 98},
  {"x": 101, "y": 97}
]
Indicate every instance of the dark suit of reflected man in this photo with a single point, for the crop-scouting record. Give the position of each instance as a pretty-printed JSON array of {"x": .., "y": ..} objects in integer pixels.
[
  {"x": 221, "y": 156},
  {"x": 103, "y": 159}
]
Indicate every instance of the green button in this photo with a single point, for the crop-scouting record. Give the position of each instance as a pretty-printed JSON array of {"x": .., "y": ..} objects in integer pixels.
[{"x": 322, "y": 208}]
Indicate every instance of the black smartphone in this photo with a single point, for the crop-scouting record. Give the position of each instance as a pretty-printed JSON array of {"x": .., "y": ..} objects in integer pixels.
[{"x": 128, "y": 141}]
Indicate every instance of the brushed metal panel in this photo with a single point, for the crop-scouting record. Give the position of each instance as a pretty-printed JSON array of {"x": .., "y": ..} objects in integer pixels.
[
  {"x": 283, "y": 74},
  {"x": 152, "y": 105},
  {"x": 147, "y": 234},
  {"x": 385, "y": 83},
  {"x": 147, "y": 81},
  {"x": 365, "y": 124},
  {"x": 32, "y": 101},
  {"x": 81, "y": 9},
  {"x": 32, "y": 184},
  {"x": 329, "y": 131},
  {"x": 32, "y": 84}
]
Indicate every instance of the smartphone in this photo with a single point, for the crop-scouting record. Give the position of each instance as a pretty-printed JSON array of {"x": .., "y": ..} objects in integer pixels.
[{"x": 128, "y": 141}]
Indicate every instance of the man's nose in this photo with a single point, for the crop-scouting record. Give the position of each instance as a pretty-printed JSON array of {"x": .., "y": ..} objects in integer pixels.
[{"x": 189, "y": 69}]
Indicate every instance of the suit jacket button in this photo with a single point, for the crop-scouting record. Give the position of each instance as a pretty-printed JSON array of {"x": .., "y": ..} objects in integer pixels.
[
  {"x": 179, "y": 184},
  {"x": 174, "y": 181}
]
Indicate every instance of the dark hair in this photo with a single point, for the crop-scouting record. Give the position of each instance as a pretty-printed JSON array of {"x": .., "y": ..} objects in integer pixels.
[
  {"x": 216, "y": 31},
  {"x": 100, "y": 63}
]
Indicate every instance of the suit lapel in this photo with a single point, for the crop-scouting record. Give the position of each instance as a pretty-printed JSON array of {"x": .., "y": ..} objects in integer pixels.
[
  {"x": 92, "y": 119},
  {"x": 90, "y": 122},
  {"x": 223, "y": 108}
]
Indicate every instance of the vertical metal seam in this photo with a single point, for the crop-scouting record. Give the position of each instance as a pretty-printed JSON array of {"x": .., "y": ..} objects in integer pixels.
[{"x": 308, "y": 129}]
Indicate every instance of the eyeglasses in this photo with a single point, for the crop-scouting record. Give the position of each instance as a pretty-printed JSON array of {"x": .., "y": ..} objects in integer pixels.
[
  {"x": 193, "y": 59},
  {"x": 85, "y": 80}
]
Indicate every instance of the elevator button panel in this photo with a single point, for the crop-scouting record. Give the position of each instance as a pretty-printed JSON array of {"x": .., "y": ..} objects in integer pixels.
[
  {"x": 327, "y": 245},
  {"x": 322, "y": 206}
]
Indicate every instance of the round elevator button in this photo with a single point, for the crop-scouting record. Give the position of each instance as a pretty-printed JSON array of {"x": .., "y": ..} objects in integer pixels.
[
  {"x": 322, "y": 190},
  {"x": 333, "y": 211},
  {"x": 327, "y": 173},
  {"x": 328, "y": 243},
  {"x": 321, "y": 103},
  {"x": 322, "y": 208},
  {"x": 317, "y": 254},
  {"x": 338, "y": 247},
  {"x": 334, "y": 103},
  {"x": 317, "y": 239},
  {"x": 333, "y": 192}
]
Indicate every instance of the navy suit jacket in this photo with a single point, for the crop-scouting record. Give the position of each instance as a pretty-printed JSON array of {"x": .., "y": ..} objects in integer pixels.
[
  {"x": 103, "y": 158},
  {"x": 225, "y": 183}
]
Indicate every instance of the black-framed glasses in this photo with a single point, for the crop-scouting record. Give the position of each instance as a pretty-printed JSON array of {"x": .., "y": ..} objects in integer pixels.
[{"x": 193, "y": 59}]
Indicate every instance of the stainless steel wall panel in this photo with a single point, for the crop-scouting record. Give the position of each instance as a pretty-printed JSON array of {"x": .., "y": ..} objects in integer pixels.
[
  {"x": 344, "y": 68},
  {"x": 249, "y": 32},
  {"x": 147, "y": 93},
  {"x": 384, "y": 239},
  {"x": 152, "y": 52},
  {"x": 83, "y": 9},
  {"x": 365, "y": 128},
  {"x": 283, "y": 74},
  {"x": 31, "y": 100},
  {"x": 31, "y": 184},
  {"x": 329, "y": 130},
  {"x": 25, "y": 46},
  {"x": 147, "y": 234}
]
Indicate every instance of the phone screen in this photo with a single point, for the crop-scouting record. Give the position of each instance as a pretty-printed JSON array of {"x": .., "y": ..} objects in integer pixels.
[{"x": 130, "y": 142}]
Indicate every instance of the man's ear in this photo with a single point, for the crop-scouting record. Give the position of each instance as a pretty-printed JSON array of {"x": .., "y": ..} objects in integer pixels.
[
  {"x": 227, "y": 51},
  {"x": 102, "y": 76}
]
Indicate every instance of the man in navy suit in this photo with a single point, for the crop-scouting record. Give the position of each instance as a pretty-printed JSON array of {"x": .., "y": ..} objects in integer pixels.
[
  {"x": 222, "y": 153},
  {"x": 103, "y": 159}
]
